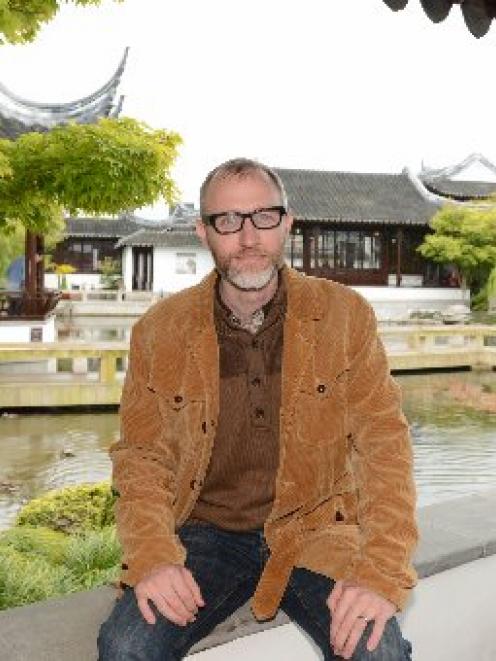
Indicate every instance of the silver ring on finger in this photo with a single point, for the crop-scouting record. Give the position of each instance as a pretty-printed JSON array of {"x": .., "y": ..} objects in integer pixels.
[{"x": 364, "y": 618}]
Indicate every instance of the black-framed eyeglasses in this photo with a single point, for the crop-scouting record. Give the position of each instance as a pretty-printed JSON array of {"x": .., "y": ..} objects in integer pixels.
[{"x": 229, "y": 222}]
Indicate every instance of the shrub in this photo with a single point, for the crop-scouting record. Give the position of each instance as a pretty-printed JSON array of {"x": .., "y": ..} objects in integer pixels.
[
  {"x": 35, "y": 542},
  {"x": 63, "y": 542},
  {"x": 71, "y": 510}
]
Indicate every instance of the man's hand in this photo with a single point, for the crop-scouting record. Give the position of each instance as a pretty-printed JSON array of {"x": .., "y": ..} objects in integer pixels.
[
  {"x": 351, "y": 608},
  {"x": 174, "y": 592}
]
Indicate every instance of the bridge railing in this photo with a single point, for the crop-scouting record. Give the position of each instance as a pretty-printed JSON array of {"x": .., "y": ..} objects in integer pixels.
[
  {"x": 435, "y": 338},
  {"x": 77, "y": 374}
]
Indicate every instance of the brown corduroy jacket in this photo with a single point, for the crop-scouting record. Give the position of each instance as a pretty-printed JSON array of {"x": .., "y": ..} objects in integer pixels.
[{"x": 345, "y": 499}]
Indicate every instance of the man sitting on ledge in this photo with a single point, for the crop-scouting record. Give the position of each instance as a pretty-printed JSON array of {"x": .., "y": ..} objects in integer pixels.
[{"x": 263, "y": 454}]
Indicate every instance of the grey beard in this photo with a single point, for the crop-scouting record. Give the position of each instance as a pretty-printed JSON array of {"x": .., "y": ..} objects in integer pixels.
[{"x": 251, "y": 281}]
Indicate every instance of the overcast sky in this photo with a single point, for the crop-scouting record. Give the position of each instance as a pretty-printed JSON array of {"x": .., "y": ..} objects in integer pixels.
[{"x": 324, "y": 84}]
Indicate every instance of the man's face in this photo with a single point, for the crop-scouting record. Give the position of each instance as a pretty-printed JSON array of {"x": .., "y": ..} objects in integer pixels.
[{"x": 248, "y": 259}]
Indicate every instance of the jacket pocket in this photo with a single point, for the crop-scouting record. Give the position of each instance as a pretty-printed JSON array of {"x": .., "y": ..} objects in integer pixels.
[
  {"x": 183, "y": 414},
  {"x": 320, "y": 410}
]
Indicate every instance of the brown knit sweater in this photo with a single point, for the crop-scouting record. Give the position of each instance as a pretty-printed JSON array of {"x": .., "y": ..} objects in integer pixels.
[{"x": 238, "y": 490}]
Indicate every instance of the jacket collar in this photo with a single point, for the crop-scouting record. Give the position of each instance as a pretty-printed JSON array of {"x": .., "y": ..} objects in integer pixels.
[{"x": 303, "y": 300}]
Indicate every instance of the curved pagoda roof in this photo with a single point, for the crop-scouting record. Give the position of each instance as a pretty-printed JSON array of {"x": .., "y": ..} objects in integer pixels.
[
  {"x": 19, "y": 115},
  {"x": 478, "y": 14},
  {"x": 457, "y": 182}
]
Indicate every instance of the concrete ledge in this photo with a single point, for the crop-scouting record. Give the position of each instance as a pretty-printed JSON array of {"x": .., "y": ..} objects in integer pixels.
[
  {"x": 456, "y": 532},
  {"x": 453, "y": 534}
]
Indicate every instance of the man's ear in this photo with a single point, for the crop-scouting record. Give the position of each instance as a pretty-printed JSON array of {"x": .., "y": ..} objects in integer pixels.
[
  {"x": 201, "y": 231},
  {"x": 288, "y": 222}
]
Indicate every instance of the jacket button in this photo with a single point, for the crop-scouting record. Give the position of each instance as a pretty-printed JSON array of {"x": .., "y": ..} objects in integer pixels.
[
  {"x": 124, "y": 566},
  {"x": 339, "y": 516},
  {"x": 321, "y": 388},
  {"x": 178, "y": 399}
]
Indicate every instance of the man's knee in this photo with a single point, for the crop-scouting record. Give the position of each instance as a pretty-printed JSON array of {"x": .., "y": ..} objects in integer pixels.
[
  {"x": 392, "y": 646},
  {"x": 116, "y": 645},
  {"x": 120, "y": 646},
  {"x": 125, "y": 635}
]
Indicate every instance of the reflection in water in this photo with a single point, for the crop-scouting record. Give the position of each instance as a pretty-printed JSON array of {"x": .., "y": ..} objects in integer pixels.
[
  {"x": 454, "y": 445},
  {"x": 94, "y": 329}
]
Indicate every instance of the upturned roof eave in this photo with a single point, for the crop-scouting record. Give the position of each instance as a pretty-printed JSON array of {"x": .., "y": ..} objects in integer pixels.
[{"x": 104, "y": 91}]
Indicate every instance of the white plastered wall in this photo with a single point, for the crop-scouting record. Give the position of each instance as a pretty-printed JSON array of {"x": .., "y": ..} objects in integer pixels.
[{"x": 165, "y": 278}]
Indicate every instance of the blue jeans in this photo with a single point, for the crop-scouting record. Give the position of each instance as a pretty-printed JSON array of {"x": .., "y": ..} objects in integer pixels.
[{"x": 227, "y": 566}]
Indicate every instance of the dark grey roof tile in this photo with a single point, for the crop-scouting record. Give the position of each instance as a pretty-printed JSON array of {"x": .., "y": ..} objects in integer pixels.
[
  {"x": 107, "y": 227},
  {"x": 355, "y": 197},
  {"x": 182, "y": 237}
]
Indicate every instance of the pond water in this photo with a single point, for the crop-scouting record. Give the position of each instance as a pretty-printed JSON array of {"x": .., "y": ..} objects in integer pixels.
[
  {"x": 94, "y": 329},
  {"x": 454, "y": 444}
]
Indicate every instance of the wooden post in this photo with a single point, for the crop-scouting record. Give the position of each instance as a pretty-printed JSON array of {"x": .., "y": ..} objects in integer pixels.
[
  {"x": 40, "y": 263},
  {"x": 30, "y": 283},
  {"x": 399, "y": 239}
]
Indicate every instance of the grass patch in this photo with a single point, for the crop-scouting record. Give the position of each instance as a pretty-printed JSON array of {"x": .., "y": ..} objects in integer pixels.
[{"x": 61, "y": 543}]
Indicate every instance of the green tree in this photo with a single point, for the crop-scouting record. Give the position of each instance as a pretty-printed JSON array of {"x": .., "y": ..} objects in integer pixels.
[
  {"x": 102, "y": 168},
  {"x": 21, "y": 20},
  {"x": 466, "y": 237}
]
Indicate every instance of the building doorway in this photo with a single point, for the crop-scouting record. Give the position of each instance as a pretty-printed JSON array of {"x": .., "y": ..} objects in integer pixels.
[{"x": 142, "y": 269}]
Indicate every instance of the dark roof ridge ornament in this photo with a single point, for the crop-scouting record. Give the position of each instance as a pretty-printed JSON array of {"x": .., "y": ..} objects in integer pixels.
[
  {"x": 396, "y": 5},
  {"x": 92, "y": 99},
  {"x": 478, "y": 14},
  {"x": 437, "y": 10}
]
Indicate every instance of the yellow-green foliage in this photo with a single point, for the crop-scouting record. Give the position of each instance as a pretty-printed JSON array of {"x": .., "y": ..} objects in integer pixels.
[
  {"x": 41, "y": 543},
  {"x": 61, "y": 542},
  {"x": 107, "y": 167},
  {"x": 73, "y": 509},
  {"x": 25, "y": 579},
  {"x": 20, "y": 20},
  {"x": 465, "y": 236},
  {"x": 486, "y": 294},
  {"x": 38, "y": 563}
]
